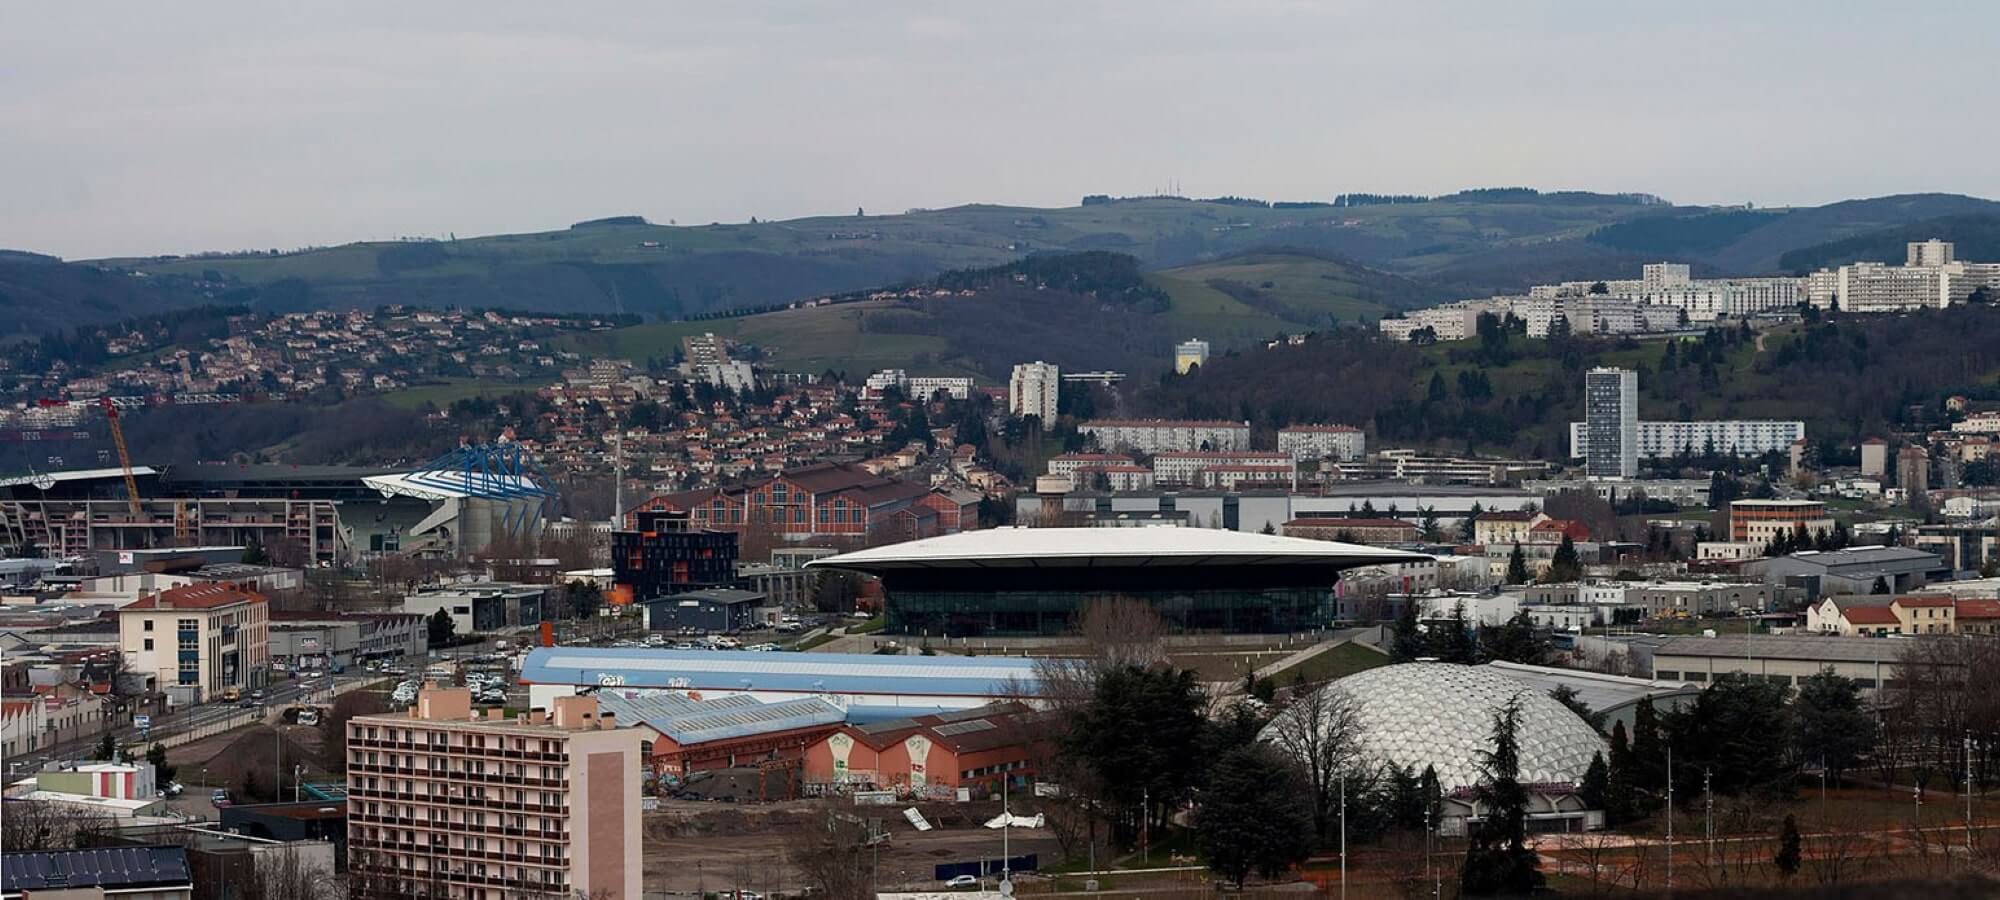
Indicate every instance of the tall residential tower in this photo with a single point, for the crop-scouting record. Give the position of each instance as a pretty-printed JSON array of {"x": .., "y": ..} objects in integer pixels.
[
  {"x": 1611, "y": 421},
  {"x": 1033, "y": 391}
]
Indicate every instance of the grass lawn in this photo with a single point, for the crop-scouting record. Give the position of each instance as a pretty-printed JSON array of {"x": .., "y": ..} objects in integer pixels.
[
  {"x": 1338, "y": 662},
  {"x": 814, "y": 641}
]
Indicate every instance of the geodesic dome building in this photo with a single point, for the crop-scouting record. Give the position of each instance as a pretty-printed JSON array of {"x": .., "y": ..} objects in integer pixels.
[{"x": 1441, "y": 715}]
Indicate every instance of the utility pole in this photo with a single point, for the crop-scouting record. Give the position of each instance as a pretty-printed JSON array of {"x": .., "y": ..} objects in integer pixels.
[
  {"x": 1006, "y": 823},
  {"x": 1670, "y": 817},
  {"x": 1822, "y": 787},
  {"x": 1708, "y": 826},
  {"x": 1343, "y": 834}
]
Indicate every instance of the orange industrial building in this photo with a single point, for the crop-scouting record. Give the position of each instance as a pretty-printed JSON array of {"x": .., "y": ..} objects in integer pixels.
[{"x": 973, "y": 748}]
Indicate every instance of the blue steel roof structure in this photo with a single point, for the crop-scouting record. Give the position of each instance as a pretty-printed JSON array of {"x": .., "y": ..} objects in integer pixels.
[
  {"x": 719, "y": 718},
  {"x": 809, "y": 673}
]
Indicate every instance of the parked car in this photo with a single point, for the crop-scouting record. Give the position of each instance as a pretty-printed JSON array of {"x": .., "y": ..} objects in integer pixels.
[
  {"x": 173, "y": 789},
  {"x": 962, "y": 881},
  {"x": 219, "y": 797}
]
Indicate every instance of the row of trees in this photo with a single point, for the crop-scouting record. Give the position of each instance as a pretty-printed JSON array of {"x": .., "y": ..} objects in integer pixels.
[
  {"x": 1261, "y": 792},
  {"x": 1456, "y": 639},
  {"x": 1739, "y": 736}
]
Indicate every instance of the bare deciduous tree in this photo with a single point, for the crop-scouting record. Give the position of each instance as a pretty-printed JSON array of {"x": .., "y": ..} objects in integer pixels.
[
  {"x": 1322, "y": 731},
  {"x": 283, "y": 873},
  {"x": 333, "y": 729},
  {"x": 33, "y": 825}
]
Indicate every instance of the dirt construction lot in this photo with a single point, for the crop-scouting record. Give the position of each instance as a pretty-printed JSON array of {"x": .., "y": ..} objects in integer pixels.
[{"x": 692, "y": 846}]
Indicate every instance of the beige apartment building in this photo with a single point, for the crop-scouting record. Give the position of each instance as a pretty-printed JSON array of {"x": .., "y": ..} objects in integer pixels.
[
  {"x": 197, "y": 640},
  {"x": 449, "y": 802}
]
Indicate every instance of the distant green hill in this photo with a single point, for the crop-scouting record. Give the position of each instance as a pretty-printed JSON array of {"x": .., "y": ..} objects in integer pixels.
[
  {"x": 1092, "y": 310},
  {"x": 40, "y": 294},
  {"x": 624, "y": 265},
  {"x": 1302, "y": 289},
  {"x": 1977, "y": 237},
  {"x": 1682, "y": 235},
  {"x": 1463, "y": 244},
  {"x": 1760, "y": 250}
]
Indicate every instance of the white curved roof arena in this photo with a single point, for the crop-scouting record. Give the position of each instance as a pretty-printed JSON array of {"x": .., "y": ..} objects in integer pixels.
[
  {"x": 1441, "y": 714},
  {"x": 1108, "y": 547}
]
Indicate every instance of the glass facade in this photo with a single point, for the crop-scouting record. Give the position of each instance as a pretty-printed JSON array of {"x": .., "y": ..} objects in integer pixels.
[{"x": 973, "y": 613}]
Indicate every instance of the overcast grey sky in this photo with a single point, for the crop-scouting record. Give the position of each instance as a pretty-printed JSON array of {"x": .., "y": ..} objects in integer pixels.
[{"x": 147, "y": 127}]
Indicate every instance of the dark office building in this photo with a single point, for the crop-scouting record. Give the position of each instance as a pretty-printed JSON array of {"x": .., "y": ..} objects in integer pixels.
[
  {"x": 317, "y": 820},
  {"x": 714, "y": 611},
  {"x": 667, "y": 555}
]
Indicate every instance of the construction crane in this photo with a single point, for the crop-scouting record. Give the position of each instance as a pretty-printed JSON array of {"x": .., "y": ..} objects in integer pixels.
[{"x": 124, "y": 458}]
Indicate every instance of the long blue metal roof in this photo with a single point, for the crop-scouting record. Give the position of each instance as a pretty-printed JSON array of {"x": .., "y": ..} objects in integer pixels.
[{"x": 810, "y": 673}]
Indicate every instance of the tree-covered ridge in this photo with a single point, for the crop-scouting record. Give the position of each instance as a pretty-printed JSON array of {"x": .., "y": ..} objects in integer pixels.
[
  {"x": 1847, "y": 377},
  {"x": 1111, "y": 277},
  {"x": 1677, "y": 235},
  {"x": 1977, "y": 237}
]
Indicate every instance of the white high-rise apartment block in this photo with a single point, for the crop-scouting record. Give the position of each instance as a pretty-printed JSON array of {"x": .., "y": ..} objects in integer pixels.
[
  {"x": 1449, "y": 322},
  {"x": 1933, "y": 252},
  {"x": 1931, "y": 277},
  {"x": 1161, "y": 435},
  {"x": 1033, "y": 390},
  {"x": 1662, "y": 276},
  {"x": 1611, "y": 422},
  {"x": 1733, "y": 437},
  {"x": 1308, "y": 442},
  {"x": 1666, "y": 298},
  {"x": 1188, "y": 354}
]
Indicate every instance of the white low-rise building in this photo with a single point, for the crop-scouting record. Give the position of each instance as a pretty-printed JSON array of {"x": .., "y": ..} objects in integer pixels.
[
  {"x": 1727, "y": 551},
  {"x": 1480, "y": 609},
  {"x": 1308, "y": 442},
  {"x": 1164, "y": 435}
]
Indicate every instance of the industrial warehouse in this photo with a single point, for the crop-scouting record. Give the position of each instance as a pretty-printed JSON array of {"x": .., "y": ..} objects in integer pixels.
[
  {"x": 1023, "y": 581},
  {"x": 866, "y": 685}
]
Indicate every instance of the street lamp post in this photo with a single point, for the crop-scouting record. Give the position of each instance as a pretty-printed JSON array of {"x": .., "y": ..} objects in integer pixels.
[
  {"x": 1968, "y": 798},
  {"x": 1343, "y": 834}
]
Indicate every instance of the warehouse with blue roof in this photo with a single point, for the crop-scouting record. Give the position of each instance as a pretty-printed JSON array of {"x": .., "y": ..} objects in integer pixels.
[
  {"x": 721, "y": 732},
  {"x": 862, "y": 686}
]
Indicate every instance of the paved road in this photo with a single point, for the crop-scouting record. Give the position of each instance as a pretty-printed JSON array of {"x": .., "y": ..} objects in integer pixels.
[{"x": 276, "y": 697}]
